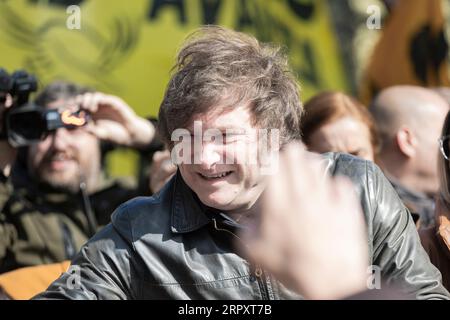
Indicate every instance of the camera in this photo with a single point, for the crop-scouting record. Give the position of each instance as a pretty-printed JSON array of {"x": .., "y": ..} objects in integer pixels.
[{"x": 25, "y": 122}]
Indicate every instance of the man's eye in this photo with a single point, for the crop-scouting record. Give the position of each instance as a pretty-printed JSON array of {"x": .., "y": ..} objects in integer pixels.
[{"x": 76, "y": 129}]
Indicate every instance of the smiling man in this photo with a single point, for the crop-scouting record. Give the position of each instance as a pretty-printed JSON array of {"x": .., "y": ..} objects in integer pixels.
[
  {"x": 224, "y": 170},
  {"x": 179, "y": 244}
]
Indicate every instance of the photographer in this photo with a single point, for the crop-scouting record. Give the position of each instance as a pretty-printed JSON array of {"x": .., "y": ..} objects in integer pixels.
[{"x": 60, "y": 195}]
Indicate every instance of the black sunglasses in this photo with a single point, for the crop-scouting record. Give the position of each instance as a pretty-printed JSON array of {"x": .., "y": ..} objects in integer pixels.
[{"x": 444, "y": 146}]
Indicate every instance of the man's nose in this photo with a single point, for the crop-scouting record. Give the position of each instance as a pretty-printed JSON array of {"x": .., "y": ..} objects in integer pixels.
[
  {"x": 209, "y": 155},
  {"x": 60, "y": 139}
]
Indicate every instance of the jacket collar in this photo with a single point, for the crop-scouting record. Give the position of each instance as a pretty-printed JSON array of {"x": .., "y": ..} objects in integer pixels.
[{"x": 188, "y": 212}]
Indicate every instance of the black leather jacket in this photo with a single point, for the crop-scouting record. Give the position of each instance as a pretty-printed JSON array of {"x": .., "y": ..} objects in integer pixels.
[{"x": 170, "y": 246}]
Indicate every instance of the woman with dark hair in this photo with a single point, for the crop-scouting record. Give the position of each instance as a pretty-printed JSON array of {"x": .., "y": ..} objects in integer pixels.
[
  {"x": 436, "y": 240},
  {"x": 334, "y": 121}
]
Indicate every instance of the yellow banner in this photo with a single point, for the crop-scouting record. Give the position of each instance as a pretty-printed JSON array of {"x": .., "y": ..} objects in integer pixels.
[{"x": 128, "y": 47}]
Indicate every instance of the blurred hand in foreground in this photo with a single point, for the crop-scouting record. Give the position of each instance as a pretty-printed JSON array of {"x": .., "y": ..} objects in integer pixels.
[{"x": 310, "y": 233}]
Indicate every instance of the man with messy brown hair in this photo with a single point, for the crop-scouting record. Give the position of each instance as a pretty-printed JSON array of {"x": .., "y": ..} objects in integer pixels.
[
  {"x": 218, "y": 67},
  {"x": 231, "y": 105}
]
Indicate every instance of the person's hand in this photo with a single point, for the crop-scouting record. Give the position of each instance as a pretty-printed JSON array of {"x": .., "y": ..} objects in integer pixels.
[
  {"x": 442, "y": 212},
  {"x": 310, "y": 234},
  {"x": 161, "y": 170},
  {"x": 7, "y": 152},
  {"x": 6, "y": 102},
  {"x": 115, "y": 121}
]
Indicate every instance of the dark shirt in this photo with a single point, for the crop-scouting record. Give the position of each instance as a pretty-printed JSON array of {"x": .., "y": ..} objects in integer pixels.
[
  {"x": 420, "y": 205},
  {"x": 40, "y": 225}
]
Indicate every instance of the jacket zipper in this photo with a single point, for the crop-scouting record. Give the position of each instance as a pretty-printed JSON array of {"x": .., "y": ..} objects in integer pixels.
[
  {"x": 264, "y": 284},
  {"x": 69, "y": 245},
  {"x": 259, "y": 276}
]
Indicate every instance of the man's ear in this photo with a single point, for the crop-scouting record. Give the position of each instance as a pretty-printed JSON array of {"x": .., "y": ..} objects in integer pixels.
[{"x": 406, "y": 142}]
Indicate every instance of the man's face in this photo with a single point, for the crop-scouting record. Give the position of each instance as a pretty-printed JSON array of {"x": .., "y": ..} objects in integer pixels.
[
  {"x": 227, "y": 174},
  {"x": 428, "y": 132},
  {"x": 64, "y": 155}
]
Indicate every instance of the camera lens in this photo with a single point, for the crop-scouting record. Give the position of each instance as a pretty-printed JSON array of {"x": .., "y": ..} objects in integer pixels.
[{"x": 27, "y": 126}]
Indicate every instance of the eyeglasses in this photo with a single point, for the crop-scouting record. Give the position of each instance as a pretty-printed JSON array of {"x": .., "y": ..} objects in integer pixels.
[{"x": 445, "y": 147}]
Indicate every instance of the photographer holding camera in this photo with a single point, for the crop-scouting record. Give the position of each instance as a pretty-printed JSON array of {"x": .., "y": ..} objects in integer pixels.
[{"x": 56, "y": 196}]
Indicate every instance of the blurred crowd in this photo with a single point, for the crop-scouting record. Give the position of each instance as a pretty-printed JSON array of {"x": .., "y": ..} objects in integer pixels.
[
  {"x": 56, "y": 198},
  {"x": 55, "y": 194}
]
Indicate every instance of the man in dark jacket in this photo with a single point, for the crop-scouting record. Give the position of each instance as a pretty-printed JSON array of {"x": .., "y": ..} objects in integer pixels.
[
  {"x": 228, "y": 94},
  {"x": 57, "y": 196}
]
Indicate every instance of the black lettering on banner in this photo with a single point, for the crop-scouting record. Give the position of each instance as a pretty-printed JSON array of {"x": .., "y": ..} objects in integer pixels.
[
  {"x": 62, "y": 3},
  {"x": 254, "y": 19},
  {"x": 210, "y": 11},
  {"x": 268, "y": 28},
  {"x": 301, "y": 54},
  {"x": 157, "y": 5},
  {"x": 244, "y": 18},
  {"x": 428, "y": 51},
  {"x": 309, "y": 71},
  {"x": 304, "y": 9}
]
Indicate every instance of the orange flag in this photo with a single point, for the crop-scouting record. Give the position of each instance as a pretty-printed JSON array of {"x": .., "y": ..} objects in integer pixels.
[{"x": 412, "y": 49}]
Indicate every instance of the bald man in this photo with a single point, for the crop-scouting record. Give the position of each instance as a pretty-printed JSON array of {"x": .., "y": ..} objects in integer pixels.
[{"x": 410, "y": 120}]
